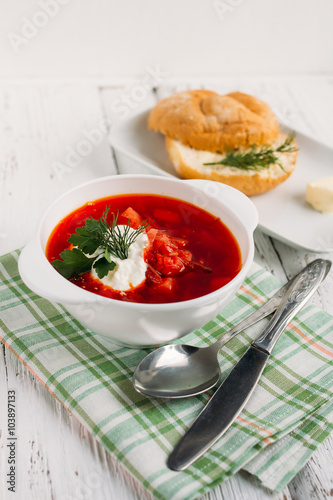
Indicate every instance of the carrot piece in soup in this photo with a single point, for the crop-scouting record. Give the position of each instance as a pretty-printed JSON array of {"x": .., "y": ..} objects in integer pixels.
[
  {"x": 134, "y": 218},
  {"x": 152, "y": 275},
  {"x": 164, "y": 244},
  {"x": 185, "y": 255},
  {"x": 167, "y": 285},
  {"x": 169, "y": 265},
  {"x": 180, "y": 242}
]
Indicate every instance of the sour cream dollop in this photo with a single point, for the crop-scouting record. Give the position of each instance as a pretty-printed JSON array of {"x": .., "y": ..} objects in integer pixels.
[{"x": 128, "y": 273}]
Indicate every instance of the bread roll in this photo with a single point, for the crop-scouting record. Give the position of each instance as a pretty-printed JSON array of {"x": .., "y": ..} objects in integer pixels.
[
  {"x": 201, "y": 126},
  {"x": 205, "y": 120}
]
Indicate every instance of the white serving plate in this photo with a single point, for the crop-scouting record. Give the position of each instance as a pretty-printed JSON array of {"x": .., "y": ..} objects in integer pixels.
[{"x": 283, "y": 212}]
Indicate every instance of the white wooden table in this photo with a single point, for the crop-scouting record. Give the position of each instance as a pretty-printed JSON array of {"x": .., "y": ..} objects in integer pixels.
[{"x": 44, "y": 127}]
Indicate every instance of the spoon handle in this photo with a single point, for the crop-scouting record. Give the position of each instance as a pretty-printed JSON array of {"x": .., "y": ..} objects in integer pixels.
[
  {"x": 268, "y": 308},
  {"x": 299, "y": 292}
]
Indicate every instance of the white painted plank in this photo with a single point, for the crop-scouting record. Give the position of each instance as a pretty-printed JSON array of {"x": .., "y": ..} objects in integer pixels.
[
  {"x": 266, "y": 256},
  {"x": 121, "y": 103},
  {"x": 51, "y": 139},
  {"x": 315, "y": 481},
  {"x": 244, "y": 486}
]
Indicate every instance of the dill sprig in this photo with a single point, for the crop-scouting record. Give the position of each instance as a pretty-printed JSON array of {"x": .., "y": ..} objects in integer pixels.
[
  {"x": 258, "y": 158},
  {"x": 95, "y": 244},
  {"x": 115, "y": 240}
]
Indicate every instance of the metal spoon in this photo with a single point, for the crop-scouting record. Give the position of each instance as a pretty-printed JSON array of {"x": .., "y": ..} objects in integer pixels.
[{"x": 180, "y": 370}]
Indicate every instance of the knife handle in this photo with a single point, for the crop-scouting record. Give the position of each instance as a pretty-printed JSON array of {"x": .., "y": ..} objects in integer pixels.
[{"x": 299, "y": 292}]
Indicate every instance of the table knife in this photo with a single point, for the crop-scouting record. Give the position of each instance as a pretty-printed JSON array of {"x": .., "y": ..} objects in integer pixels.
[{"x": 233, "y": 394}]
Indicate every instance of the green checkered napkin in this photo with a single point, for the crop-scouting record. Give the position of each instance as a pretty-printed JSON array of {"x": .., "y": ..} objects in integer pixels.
[{"x": 288, "y": 416}]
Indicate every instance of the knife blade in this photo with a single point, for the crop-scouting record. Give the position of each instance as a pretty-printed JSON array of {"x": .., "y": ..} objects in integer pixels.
[{"x": 233, "y": 394}]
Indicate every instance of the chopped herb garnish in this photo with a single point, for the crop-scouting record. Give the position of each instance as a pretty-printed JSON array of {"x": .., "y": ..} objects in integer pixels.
[
  {"x": 95, "y": 244},
  {"x": 102, "y": 267},
  {"x": 258, "y": 158},
  {"x": 74, "y": 262}
]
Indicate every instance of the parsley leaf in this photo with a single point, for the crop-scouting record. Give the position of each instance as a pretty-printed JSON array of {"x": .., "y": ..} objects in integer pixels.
[
  {"x": 84, "y": 240},
  {"x": 102, "y": 267},
  {"x": 74, "y": 262}
]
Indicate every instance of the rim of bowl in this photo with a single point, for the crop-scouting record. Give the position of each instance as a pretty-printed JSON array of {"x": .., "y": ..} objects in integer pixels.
[{"x": 135, "y": 305}]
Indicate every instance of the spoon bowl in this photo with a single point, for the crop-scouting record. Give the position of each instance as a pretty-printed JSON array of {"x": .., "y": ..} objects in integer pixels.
[{"x": 177, "y": 370}]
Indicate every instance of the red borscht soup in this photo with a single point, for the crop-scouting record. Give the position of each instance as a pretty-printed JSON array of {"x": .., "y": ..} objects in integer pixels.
[{"x": 188, "y": 252}]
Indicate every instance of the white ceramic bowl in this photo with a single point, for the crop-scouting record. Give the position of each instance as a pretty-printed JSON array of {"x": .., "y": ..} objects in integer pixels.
[{"x": 134, "y": 324}]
